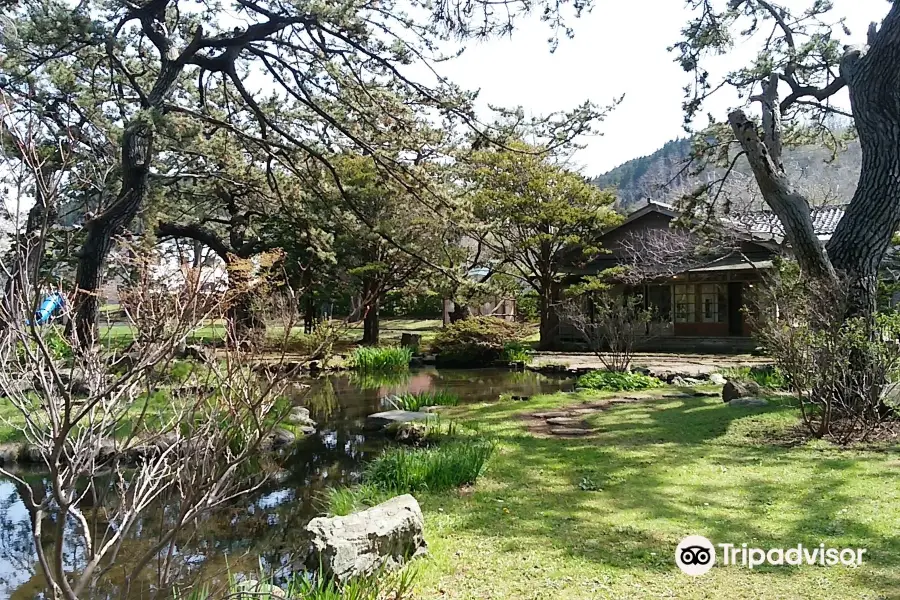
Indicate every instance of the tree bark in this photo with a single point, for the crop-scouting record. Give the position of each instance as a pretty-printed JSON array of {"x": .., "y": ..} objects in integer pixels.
[
  {"x": 371, "y": 324},
  {"x": 549, "y": 327},
  {"x": 309, "y": 314},
  {"x": 862, "y": 237},
  {"x": 137, "y": 152},
  {"x": 864, "y": 234},
  {"x": 461, "y": 311}
]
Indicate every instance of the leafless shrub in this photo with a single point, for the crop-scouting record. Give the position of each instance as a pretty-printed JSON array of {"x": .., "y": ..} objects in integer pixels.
[
  {"x": 839, "y": 369},
  {"x": 660, "y": 253},
  {"x": 611, "y": 328},
  {"x": 111, "y": 450}
]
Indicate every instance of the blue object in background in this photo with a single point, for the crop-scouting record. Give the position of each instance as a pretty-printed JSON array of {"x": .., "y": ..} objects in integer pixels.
[{"x": 52, "y": 303}]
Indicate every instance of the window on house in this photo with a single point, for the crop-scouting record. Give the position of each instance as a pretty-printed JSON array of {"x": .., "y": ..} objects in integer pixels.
[
  {"x": 685, "y": 304},
  {"x": 712, "y": 303}
]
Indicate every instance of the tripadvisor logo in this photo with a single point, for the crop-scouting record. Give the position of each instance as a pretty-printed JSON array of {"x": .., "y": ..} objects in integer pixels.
[{"x": 696, "y": 555}]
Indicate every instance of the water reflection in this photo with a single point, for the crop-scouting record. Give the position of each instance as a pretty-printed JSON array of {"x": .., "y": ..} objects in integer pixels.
[{"x": 265, "y": 527}]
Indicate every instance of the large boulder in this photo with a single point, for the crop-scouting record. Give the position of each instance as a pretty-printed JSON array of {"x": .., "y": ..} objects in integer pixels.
[
  {"x": 739, "y": 389},
  {"x": 717, "y": 379},
  {"x": 382, "y": 537}
]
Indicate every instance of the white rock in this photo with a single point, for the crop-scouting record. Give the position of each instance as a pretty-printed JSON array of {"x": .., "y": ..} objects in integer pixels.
[{"x": 384, "y": 536}]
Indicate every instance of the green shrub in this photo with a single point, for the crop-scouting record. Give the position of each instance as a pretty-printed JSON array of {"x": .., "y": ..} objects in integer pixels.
[
  {"x": 415, "y": 402},
  {"x": 770, "y": 378},
  {"x": 516, "y": 352},
  {"x": 384, "y": 359},
  {"x": 617, "y": 381},
  {"x": 438, "y": 468},
  {"x": 318, "y": 345},
  {"x": 528, "y": 307},
  {"x": 475, "y": 342}
]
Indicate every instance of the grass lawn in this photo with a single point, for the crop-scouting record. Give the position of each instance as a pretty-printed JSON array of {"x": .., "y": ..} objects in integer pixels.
[
  {"x": 660, "y": 470},
  {"x": 120, "y": 335}
]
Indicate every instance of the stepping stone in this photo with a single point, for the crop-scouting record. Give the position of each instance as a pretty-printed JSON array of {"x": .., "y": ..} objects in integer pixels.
[
  {"x": 389, "y": 417},
  {"x": 552, "y": 414},
  {"x": 571, "y": 431},
  {"x": 565, "y": 421}
]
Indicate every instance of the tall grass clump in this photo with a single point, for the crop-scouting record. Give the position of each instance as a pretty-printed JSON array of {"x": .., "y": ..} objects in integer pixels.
[
  {"x": 415, "y": 402},
  {"x": 395, "y": 585},
  {"x": 381, "y": 359},
  {"x": 342, "y": 501},
  {"x": 516, "y": 352},
  {"x": 435, "y": 469}
]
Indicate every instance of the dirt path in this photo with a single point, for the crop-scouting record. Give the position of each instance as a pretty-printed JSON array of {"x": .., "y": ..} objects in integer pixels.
[{"x": 571, "y": 422}]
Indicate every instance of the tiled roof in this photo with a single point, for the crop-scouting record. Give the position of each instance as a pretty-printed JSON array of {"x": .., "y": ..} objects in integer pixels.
[{"x": 825, "y": 220}]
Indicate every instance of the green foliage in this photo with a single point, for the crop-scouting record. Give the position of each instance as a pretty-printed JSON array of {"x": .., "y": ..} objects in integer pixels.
[
  {"x": 412, "y": 304},
  {"x": 435, "y": 469},
  {"x": 318, "y": 345},
  {"x": 475, "y": 342},
  {"x": 383, "y": 359},
  {"x": 381, "y": 585},
  {"x": 341, "y": 501},
  {"x": 528, "y": 308},
  {"x": 838, "y": 367},
  {"x": 543, "y": 217},
  {"x": 618, "y": 381},
  {"x": 768, "y": 378},
  {"x": 57, "y": 344},
  {"x": 516, "y": 352},
  {"x": 415, "y": 402}
]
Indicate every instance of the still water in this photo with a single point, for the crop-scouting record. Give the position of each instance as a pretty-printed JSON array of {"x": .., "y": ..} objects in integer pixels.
[{"x": 264, "y": 528}]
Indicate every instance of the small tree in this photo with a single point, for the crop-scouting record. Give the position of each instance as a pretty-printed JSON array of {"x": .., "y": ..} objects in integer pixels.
[
  {"x": 542, "y": 219},
  {"x": 610, "y": 325}
]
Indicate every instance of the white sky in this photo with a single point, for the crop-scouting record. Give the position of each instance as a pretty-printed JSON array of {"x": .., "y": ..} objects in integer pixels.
[{"x": 620, "y": 48}]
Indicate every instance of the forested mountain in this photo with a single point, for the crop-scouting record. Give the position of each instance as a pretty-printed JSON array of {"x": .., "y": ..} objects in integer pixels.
[{"x": 659, "y": 176}]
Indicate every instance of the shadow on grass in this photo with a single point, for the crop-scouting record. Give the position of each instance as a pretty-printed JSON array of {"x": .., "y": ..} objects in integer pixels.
[{"x": 665, "y": 468}]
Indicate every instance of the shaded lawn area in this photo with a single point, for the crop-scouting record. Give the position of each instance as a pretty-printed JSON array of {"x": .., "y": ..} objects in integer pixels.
[
  {"x": 663, "y": 469},
  {"x": 120, "y": 335}
]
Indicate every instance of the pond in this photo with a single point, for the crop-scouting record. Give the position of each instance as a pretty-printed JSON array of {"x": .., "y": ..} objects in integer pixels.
[{"x": 265, "y": 527}]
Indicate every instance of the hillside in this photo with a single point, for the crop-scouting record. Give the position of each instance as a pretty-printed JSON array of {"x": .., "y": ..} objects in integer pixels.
[{"x": 656, "y": 176}]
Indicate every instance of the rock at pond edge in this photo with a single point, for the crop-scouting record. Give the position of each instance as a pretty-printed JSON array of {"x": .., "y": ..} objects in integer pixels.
[{"x": 381, "y": 537}]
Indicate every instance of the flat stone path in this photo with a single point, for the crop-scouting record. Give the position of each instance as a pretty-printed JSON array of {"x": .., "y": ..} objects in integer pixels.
[
  {"x": 690, "y": 365},
  {"x": 571, "y": 422}
]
